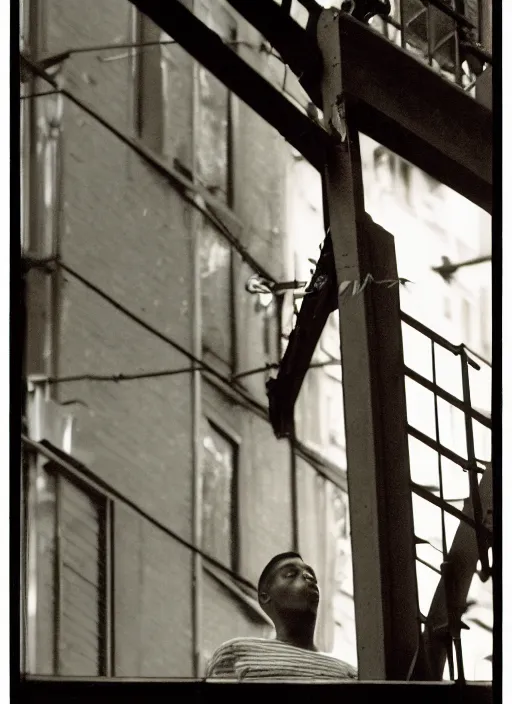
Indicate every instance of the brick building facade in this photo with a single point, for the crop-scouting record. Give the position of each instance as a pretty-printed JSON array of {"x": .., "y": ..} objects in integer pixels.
[{"x": 109, "y": 589}]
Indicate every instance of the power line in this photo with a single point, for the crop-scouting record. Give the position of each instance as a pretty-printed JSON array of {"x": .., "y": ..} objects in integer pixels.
[
  {"x": 121, "y": 377},
  {"x": 320, "y": 464},
  {"x": 189, "y": 189},
  {"x": 40, "y": 95},
  {"x": 142, "y": 323},
  {"x": 73, "y": 467}
]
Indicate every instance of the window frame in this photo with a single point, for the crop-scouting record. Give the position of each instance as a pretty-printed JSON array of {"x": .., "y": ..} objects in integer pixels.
[
  {"x": 141, "y": 28},
  {"x": 220, "y": 427}
]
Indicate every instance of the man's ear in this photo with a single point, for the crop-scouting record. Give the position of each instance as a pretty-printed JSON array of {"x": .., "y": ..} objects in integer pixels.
[{"x": 264, "y": 598}]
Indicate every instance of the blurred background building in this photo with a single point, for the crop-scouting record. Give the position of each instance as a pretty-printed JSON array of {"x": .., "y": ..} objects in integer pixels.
[{"x": 152, "y": 236}]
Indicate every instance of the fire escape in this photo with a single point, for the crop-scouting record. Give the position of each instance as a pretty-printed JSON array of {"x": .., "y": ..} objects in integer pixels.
[{"x": 415, "y": 95}]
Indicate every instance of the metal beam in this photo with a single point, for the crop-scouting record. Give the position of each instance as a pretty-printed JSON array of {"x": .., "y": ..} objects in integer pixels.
[
  {"x": 385, "y": 590},
  {"x": 296, "y": 46},
  {"x": 208, "y": 48},
  {"x": 408, "y": 108}
]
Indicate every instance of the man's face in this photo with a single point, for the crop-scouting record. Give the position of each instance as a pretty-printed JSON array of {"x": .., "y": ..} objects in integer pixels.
[{"x": 292, "y": 586}]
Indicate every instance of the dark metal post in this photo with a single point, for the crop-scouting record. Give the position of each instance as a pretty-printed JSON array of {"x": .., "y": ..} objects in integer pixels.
[{"x": 385, "y": 589}]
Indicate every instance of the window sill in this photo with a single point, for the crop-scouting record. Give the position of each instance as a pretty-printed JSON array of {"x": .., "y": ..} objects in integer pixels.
[{"x": 247, "y": 600}]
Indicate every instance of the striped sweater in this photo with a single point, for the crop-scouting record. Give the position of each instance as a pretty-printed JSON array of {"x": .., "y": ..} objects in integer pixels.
[{"x": 261, "y": 659}]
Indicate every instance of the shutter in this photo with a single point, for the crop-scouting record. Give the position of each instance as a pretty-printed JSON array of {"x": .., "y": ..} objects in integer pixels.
[{"x": 81, "y": 580}]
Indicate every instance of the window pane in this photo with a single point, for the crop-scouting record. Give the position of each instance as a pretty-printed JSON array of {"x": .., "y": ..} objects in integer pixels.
[
  {"x": 177, "y": 70},
  {"x": 212, "y": 153},
  {"x": 216, "y": 293},
  {"x": 218, "y": 493}
]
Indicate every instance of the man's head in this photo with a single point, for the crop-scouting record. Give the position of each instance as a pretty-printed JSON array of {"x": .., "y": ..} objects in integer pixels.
[{"x": 288, "y": 586}]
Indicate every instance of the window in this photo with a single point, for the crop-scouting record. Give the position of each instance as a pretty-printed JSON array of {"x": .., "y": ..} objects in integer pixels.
[
  {"x": 219, "y": 496},
  {"x": 149, "y": 103},
  {"x": 217, "y": 302},
  {"x": 181, "y": 107},
  {"x": 68, "y": 610}
]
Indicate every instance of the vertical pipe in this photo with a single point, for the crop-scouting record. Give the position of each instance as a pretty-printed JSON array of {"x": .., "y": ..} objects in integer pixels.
[{"x": 197, "y": 349}]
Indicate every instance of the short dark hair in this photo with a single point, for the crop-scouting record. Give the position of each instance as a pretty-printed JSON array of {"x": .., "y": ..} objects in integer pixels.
[{"x": 270, "y": 566}]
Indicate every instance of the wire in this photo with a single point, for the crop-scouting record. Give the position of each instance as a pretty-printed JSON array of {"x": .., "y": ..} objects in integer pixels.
[
  {"x": 120, "y": 377},
  {"x": 39, "y": 95},
  {"x": 319, "y": 463},
  {"x": 74, "y": 467},
  {"x": 142, "y": 323},
  {"x": 188, "y": 187}
]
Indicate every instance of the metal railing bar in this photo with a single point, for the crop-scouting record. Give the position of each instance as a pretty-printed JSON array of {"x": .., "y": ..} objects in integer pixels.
[
  {"x": 448, "y": 397},
  {"x": 427, "y": 564},
  {"x": 436, "y": 501},
  {"x": 437, "y": 447},
  {"x": 439, "y": 461},
  {"x": 436, "y": 337},
  {"x": 447, "y": 10}
]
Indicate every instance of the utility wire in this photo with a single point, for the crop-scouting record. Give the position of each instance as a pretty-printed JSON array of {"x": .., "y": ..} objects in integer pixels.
[
  {"x": 74, "y": 467},
  {"x": 121, "y": 377},
  {"x": 142, "y": 323},
  {"x": 188, "y": 188},
  {"x": 40, "y": 95},
  {"x": 319, "y": 464}
]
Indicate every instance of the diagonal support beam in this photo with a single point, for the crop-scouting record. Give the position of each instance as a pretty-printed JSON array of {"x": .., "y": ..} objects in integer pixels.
[{"x": 209, "y": 49}]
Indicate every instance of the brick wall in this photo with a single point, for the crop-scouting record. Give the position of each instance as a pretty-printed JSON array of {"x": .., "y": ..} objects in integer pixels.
[{"x": 123, "y": 227}]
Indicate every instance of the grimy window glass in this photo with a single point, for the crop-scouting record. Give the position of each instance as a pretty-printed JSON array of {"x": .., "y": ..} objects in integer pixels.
[
  {"x": 213, "y": 135},
  {"x": 219, "y": 495},
  {"x": 216, "y": 293}
]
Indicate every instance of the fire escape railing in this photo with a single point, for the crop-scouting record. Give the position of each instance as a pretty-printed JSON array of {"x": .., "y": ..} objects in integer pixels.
[
  {"x": 476, "y": 514},
  {"x": 444, "y": 38}
]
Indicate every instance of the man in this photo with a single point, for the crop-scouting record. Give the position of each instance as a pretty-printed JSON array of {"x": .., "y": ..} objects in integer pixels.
[{"x": 289, "y": 595}]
